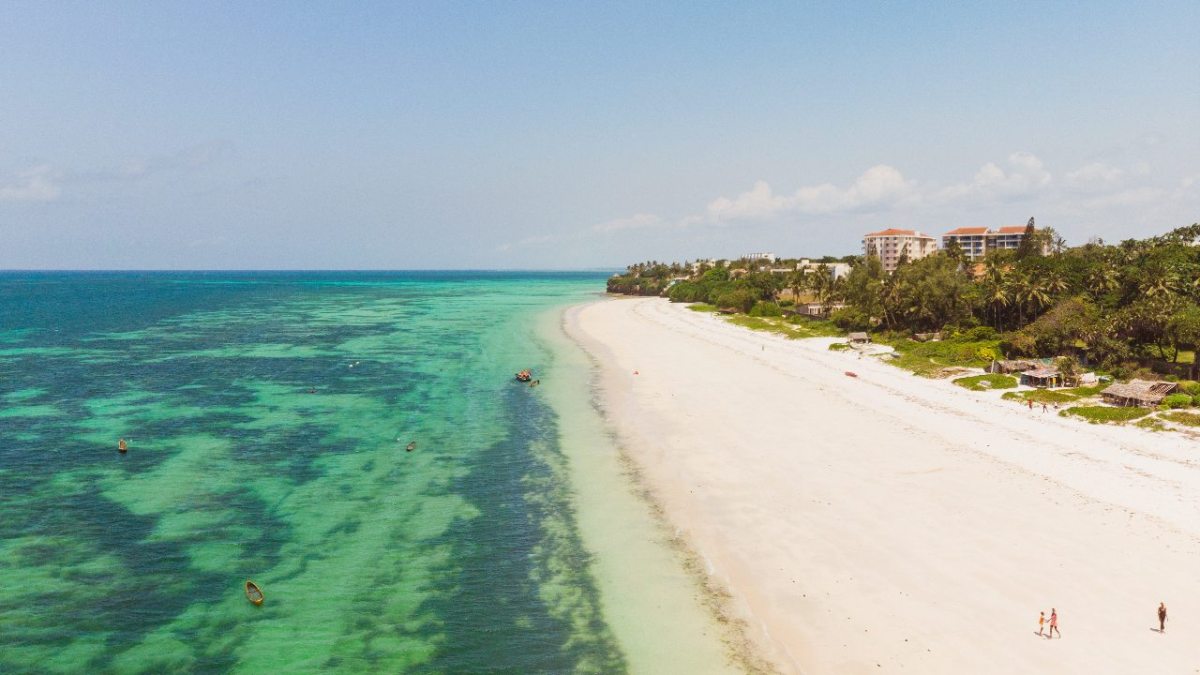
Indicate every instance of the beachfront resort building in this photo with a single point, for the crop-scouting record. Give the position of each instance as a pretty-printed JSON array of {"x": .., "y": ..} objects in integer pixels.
[
  {"x": 892, "y": 245},
  {"x": 836, "y": 270},
  {"x": 756, "y": 257},
  {"x": 972, "y": 241},
  {"x": 976, "y": 242}
]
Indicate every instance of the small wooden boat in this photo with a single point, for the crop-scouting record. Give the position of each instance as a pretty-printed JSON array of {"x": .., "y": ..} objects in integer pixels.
[
  {"x": 411, "y": 446},
  {"x": 524, "y": 376},
  {"x": 253, "y": 593},
  {"x": 851, "y": 374}
]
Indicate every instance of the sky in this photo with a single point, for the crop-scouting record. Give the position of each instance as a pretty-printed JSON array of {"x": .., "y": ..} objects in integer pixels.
[{"x": 443, "y": 135}]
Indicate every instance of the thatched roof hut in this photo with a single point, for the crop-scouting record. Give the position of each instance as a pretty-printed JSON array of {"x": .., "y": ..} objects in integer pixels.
[
  {"x": 1042, "y": 377},
  {"x": 1145, "y": 393},
  {"x": 1014, "y": 366}
]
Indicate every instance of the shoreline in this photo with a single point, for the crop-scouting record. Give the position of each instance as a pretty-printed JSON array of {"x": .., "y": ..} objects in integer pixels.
[
  {"x": 652, "y": 599},
  {"x": 854, "y": 521}
]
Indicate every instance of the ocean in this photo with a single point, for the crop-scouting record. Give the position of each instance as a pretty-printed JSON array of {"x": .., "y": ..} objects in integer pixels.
[{"x": 267, "y": 417}]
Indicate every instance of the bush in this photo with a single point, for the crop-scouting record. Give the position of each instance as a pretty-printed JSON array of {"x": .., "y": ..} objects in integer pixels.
[
  {"x": 1177, "y": 400},
  {"x": 1189, "y": 387},
  {"x": 839, "y": 347},
  {"x": 1019, "y": 344},
  {"x": 740, "y": 299},
  {"x": 850, "y": 319},
  {"x": 764, "y": 308},
  {"x": 979, "y": 334}
]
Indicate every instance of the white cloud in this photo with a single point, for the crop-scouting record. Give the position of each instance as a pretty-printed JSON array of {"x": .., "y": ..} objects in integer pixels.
[
  {"x": 1094, "y": 177},
  {"x": 36, "y": 184},
  {"x": 1024, "y": 177},
  {"x": 634, "y": 222},
  {"x": 878, "y": 187}
]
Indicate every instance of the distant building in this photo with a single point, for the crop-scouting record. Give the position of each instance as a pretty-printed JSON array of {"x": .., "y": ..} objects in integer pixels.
[
  {"x": 891, "y": 245},
  {"x": 837, "y": 270},
  {"x": 977, "y": 242},
  {"x": 753, "y": 257},
  {"x": 972, "y": 241},
  {"x": 1008, "y": 237}
]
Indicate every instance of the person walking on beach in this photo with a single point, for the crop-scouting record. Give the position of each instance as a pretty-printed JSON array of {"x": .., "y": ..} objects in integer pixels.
[
  {"x": 1162, "y": 617},
  {"x": 1054, "y": 625},
  {"x": 1044, "y": 408},
  {"x": 1041, "y": 622},
  {"x": 1030, "y": 404}
]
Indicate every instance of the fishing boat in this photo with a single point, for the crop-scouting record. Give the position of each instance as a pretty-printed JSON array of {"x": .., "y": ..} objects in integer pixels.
[
  {"x": 524, "y": 376},
  {"x": 253, "y": 593},
  {"x": 851, "y": 374}
]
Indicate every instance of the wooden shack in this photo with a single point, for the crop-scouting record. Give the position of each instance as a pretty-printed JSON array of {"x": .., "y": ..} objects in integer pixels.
[
  {"x": 1144, "y": 393},
  {"x": 1042, "y": 377}
]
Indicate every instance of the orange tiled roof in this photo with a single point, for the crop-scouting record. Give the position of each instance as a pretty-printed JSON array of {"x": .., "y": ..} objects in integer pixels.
[
  {"x": 891, "y": 232},
  {"x": 1011, "y": 229},
  {"x": 969, "y": 230}
]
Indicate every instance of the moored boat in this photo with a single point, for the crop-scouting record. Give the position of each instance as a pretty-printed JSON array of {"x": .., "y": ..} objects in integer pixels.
[{"x": 253, "y": 593}]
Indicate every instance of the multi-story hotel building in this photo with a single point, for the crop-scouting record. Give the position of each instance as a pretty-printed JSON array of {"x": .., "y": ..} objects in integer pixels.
[
  {"x": 891, "y": 245},
  {"x": 976, "y": 242},
  {"x": 972, "y": 241}
]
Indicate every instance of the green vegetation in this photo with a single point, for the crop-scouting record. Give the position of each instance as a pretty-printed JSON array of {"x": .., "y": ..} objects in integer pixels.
[
  {"x": 1054, "y": 395},
  {"x": 1177, "y": 401},
  {"x": 838, "y": 347},
  {"x": 1151, "y": 423},
  {"x": 987, "y": 382},
  {"x": 702, "y": 307},
  {"x": 1187, "y": 419},
  {"x": 1102, "y": 414},
  {"x": 790, "y": 328},
  {"x": 932, "y": 359}
]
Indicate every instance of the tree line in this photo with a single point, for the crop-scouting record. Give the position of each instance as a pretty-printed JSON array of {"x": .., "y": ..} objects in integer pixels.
[{"x": 1109, "y": 304}]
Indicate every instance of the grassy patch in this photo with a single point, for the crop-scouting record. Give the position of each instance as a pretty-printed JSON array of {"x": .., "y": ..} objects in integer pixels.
[
  {"x": 930, "y": 358},
  {"x": 839, "y": 347},
  {"x": 987, "y": 382},
  {"x": 1187, "y": 419},
  {"x": 1054, "y": 395},
  {"x": 1151, "y": 423},
  {"x": 779, "y": 326},
  {"x": 1041, "y": 396},
  {"x": 702, "y": 307},
  {"x": 1102, "y": 414}
]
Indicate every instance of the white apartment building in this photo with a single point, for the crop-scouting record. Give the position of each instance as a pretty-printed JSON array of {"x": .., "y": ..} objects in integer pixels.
[
  {"x": 753, "y": 257},
  {"x": 891, "y": 245},
  {"x": 977, "y": 241},
  {"x": 972, "y": 240},
  {"x": 837, "y": 270}
]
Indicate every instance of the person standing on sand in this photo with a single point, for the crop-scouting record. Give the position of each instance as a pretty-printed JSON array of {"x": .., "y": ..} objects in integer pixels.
[
  {"x": 1030, "y": 401},
  {"x": 1162, "y": 617},
  {"x": 1041, "y": 622},
  {"x": 1044, "y": 408},
  {"x": 1054, "y": 625}
]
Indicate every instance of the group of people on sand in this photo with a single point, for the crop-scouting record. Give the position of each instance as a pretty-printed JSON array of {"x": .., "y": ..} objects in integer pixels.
[{"x": 1053, "y": 621}]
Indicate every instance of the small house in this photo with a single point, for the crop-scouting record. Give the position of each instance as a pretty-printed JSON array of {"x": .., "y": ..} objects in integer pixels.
[
  {"x": 1042, "y": 377},
  {"x": 1144, "y": 393},
  {"x": 1015, "y": 366},
  {"x": 859, "y": 338}
]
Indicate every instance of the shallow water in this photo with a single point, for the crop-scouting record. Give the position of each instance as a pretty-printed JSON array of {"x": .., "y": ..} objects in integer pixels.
[{"x": 463, "y": 556}]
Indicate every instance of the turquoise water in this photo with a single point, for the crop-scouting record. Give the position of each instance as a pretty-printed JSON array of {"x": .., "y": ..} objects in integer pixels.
[{"x": 462, "y": 556}]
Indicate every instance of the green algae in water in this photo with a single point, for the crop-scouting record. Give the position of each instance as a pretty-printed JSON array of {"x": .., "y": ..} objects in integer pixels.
[{"x": 462, "y": 556}]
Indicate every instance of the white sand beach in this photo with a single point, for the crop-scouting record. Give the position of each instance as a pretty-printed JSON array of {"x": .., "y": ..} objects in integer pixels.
[{"x": 890, "y": 523}]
